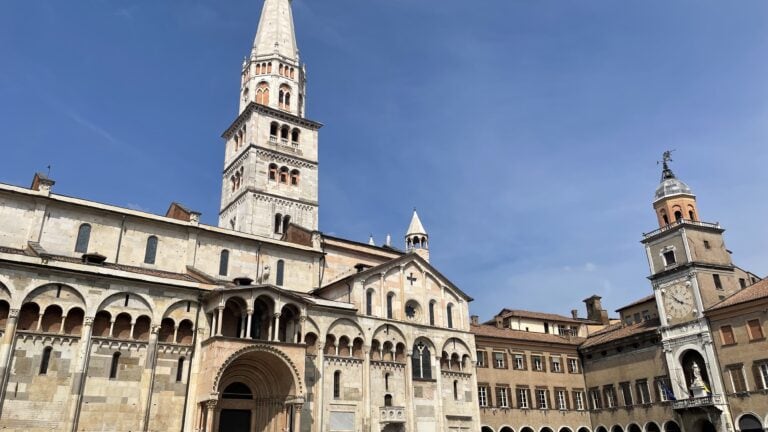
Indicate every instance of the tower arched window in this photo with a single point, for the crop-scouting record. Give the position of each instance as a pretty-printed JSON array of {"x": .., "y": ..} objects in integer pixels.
[
  {"x": 284, "y": 97},
  {"x": 295, "y": 177},
  {"x": 223, "y": 262},
  {"x": 46, "y": 359},
  {"x": 295, "y": 136},
  {"x": 280, "y": 274},
  {"x": 292, "y": 73},
  {"x": 432, "y": 313},
  {"x": 114, "y": 365},
  {"x": 285, "y": 132},
  {"x": 273, "y": 128},
  {"x": 449, "y": 315},
  {"x": 150, "y": 252},
  {"x": 369, "y": 302},
  {"x": 287, "y": 100},
  {"x": 278, "y": 223},
  {"x": 386, "y": 381},
  {"x": 273, "y": 172},
  {"x": 83, "y": 237},
  {"x": 284, "y": 175},
  {"x": 337, "y": 385},
  {"x": 262, "y": 94},
  {"x": 421, "y": 361},
  {"x": 390, "y": 300},
  {"x": 678, "y": 215},
  {"x": 387, "y": 400},
  {"x": 691, "y": 215}
]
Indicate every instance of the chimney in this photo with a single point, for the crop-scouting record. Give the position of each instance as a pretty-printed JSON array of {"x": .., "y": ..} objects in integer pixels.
[
  {"x": 575, "y": 313},
  {"x": 42, "y": 183},
  {"x": 474, "y": 319},
  {"x": 595, "y": 311}
]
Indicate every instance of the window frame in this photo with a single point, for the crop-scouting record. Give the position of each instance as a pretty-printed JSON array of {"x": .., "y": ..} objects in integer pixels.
[
  {"x": 482, "y": 395},
  {"x": 729, "y": 332},
  {"x": 499, "y": 362},
  {"x": 83, "y": 238},
  {"x": 758, "y": 327},
  {"x": 150, "y": 251}
]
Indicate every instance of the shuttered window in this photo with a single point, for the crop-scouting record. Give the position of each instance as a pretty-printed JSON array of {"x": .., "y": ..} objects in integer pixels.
[
  {"x": 726, "y": 332},
  {"x": 755, "y": 330}
]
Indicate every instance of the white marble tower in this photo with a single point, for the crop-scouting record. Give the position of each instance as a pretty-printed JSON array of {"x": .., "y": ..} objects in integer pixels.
[{"x": 270, "y": 176}]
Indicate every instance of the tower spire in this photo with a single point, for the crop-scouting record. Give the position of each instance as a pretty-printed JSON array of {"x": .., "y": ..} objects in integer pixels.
[
  {"x": 276, "y": 34},
  {"x": 417, "y": 239}
]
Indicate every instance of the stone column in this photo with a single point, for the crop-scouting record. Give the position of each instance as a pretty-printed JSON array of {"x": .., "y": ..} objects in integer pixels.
[
  {"x": 409, "y": 405},
  {"x": 39, "y": 322},
  {"x": 175, "y": 333},
  {"x": 80, "y": 374},
  {"x": 248, "y": 324},
  {"x": 439, "y": 385},
  {"x": 210, "y": 407},
  {"x": 276, "y": 328},
  {"x": 61, "y": 327},
  {"x": 318, "y": 400},
  {"x": 367, "y": 389},
  {"x": 133, "y": 325},
  {"x": 220, "y": 315},
  {"x": 6, "y": 344},
  {"x": 112, "y": 329}
]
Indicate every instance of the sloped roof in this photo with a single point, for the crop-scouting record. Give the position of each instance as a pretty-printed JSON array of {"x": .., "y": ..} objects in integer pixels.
[
  {"x": 620, "y": 331},
  {"x": 506, "y": 313},
  {"x": 756, "y": 291},
  {"x": 276, "y": 32},
  {"x": 506, "y": 333},
  {"x": 637, "y": 302},
  {"x": 415, "y": 227}
]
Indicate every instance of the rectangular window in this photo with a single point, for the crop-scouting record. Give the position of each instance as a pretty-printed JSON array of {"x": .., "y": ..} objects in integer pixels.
[
  {"x": 542, "y": 399},
  {"x": 502, "y": 397},
  {"x": 499, "y": 360},
  {"x": 523, "y": 397},
  {"x": 755, "y": 330},
  {"x": 538, "y": 365},
  {"x": 610, "y": 396},
  {"x": 482, "y": 396},
  {"x": 646, "y": 315},
  {"x": 596, "y": 402},
  {"x": 738, "y": 382},
  {"x": 643, "y": 393},
  {"x": 669, "y": 258},
  {"x": 482, "y": 359},
  {"x": 573, "y": 365},
  {"x": 556, "y": 366},
  {"x": 761, "y": 375},
  {"x": 578, "y": 400},
  {"x": 742, "y": 283},
  {"x": 718, "y": 283},
  {"x": 626, "y": 393},
  {"x": 726, "y": 333},
  {"x": 706, "y": 244},
  {"x": 519, "y": 362},
  {"x": 664, "y": 389},
  {"x": 561, "y": 400}
]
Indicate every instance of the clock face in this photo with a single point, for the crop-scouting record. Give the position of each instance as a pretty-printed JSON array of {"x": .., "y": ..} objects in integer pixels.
[{"x": 678, "y": 301}]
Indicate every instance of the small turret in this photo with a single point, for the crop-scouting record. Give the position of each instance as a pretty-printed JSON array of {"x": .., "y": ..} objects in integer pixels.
[
  {"x": 417, "y": 239},
  {"x": 673, "y": 200}
]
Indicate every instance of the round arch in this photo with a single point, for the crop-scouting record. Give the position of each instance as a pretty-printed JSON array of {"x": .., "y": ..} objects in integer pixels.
[
  {"x": 136, "y": 303},
  {"x": 601, "y": 428},
  {"x": 565, "y": 429},
  {"x": 506, "y": 428},
  {"x": 261, "y": 356},
  {"x": 65, "y": 296},
  {"x": 652, "y": 427},
  {"x": 633, "y": 427},
  {"x": 345, "y": 327},
  {"x": 583, "y": 429},
  {"x": 526, "y": 429},
  {"x": 671, "y": 426},
  {"x": 485, "y": 428},
  {"x": 389, "y": 332},
  {"x": 617, "y": 428},
  {"x": 748, "y": 422}
]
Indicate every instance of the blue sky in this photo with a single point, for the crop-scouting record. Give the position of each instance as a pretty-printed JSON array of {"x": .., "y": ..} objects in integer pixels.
[{"x": 525, "y": 132}]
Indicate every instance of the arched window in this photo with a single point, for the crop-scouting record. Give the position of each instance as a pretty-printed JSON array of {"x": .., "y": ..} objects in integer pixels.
[
  {"x": 386, "y": 382},
  {"x": 258, "y": 69},
  {"x": 337, "y": 385},
  {"x": 45, "y": 360},
  {"x": 691, "y": 215},
  {"x": 83, "y": 237},
  {"x": 369, "y": 302},
  {"x": 180, "y": 369},
  {"x": 666, "y": 219},
  {"x": 455, "y": 390},
  {"x": 678, "y": 215},
  {"x": 449, "y": 315},
  {"x": 269, "y": 67},
  {"x": 224, "y": 263},
  {"x": 422, "y": 361},
  {"x": 285, "y": 97},
  {"x": 287, "y": 100},
  {"x": 262, "y": 94},
  {"x": 273, "y": 172},
  {"x": 273, "y": 128},
  {"x": 280, "y": 273},
  {"x": 284, "y": 175},
  {"x": 151, "y": 251},
  {"x": 388, "y": 400},
  {"x": 432, "y": 313},
  {"x": 286, "y": 221},
  {"x": 390, "y": 298},
  {"x": 114, "y": 365},
  {"x": 295, "y": 136},
  {"x": 278, "y": 223},
  {"x": 285, "y": 132},
  {"x": 292, "y": 73},
  {"x": 295, "y": 177},
  {"x": 280, "y": 70}
]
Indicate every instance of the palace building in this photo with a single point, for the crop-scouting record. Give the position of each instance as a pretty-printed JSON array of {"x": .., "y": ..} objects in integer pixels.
[{"x": 119, "y": 320}]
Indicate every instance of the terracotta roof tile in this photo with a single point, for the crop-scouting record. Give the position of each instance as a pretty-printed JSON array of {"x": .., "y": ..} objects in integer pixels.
[
  {"x": 505, "y": 313},
  {"x": 619, "y": 331},
  {"x": 756, "y": 291},
  {"x": 637, "y": 302},
  {"x": 493, "y": 331}
]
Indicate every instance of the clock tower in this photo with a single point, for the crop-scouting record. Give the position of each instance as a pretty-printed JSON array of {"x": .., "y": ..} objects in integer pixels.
[{"x": 690, "y": 270}]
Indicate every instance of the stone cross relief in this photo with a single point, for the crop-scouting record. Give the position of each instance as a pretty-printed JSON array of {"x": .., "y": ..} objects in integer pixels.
[{"x": 411, "y": 279}]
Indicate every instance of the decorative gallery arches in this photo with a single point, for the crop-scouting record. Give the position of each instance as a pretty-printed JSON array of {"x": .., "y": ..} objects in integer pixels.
[{"x": 258, "y": 391}]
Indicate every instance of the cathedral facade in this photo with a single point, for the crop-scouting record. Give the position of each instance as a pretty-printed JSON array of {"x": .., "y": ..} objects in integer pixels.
[{"x": 118, "y": 320}]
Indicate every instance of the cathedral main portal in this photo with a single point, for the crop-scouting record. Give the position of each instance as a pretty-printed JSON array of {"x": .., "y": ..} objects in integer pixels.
[{"x": 257, "y": 392}]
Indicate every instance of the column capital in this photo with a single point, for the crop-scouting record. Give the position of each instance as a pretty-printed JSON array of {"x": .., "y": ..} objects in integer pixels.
[
  {"x": 276, "y": 315},
  {"x": 88, "y": 321},
  {"x": 211, "y": 404},
  {"x": 13, "y": 313}
]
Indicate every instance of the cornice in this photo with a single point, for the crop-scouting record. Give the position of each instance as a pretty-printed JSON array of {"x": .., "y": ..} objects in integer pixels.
[
  {"x": 272, "y": 112},
  {"x": 271, "y": 197}
]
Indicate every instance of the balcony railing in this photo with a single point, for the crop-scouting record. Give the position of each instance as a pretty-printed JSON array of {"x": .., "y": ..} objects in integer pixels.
[
  {"x": 392, "y": 414},
  {"x": 677, "y": 223},
  {"x": 700, "y": 402}
]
